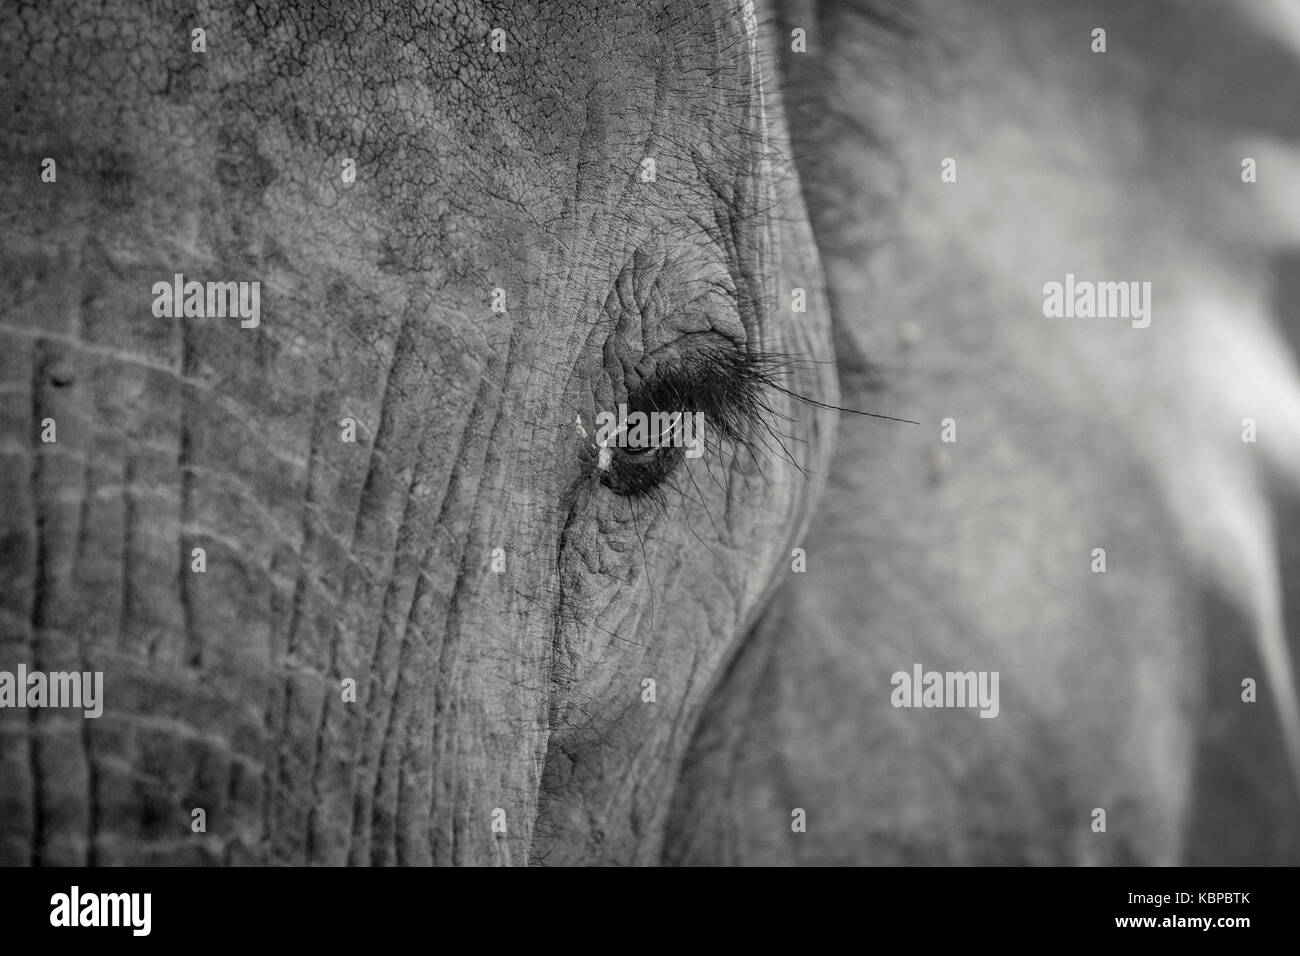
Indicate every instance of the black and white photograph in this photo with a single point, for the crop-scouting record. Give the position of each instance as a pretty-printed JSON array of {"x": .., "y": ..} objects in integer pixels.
[{"x": 650, "y": 433}]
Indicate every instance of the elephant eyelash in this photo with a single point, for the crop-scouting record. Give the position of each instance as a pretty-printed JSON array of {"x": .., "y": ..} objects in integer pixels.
[{"x": 731, "y": 387}]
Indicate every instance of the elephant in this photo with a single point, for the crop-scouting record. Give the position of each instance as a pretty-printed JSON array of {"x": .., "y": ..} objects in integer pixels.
[{"x": 315, "y": 320}]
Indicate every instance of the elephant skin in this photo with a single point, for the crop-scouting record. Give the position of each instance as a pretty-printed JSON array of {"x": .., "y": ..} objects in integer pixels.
[{"x": 432, "y": 622}]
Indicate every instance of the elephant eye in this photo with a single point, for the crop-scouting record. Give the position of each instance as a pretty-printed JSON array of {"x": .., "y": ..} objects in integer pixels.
[
  {"x": 723, "y": 388},
  {"x": 638, "y": 471},
  {"x": 639, "y": 458}
]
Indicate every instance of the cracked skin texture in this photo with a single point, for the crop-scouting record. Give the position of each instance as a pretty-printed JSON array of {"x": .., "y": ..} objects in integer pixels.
[
  {"x": 522, "y": 690},
  {"x": 327, "y": 560}
]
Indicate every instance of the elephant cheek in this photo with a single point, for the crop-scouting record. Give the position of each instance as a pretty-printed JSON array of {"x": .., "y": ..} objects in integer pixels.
[
  {"x": 302, "y": 711},
  {"x": 309, "y": 650}
]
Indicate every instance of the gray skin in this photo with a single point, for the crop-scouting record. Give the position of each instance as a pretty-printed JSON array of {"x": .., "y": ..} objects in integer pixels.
[
  {"x": 1120, "y": 691},
  {"x": 478, "y": 690},
  {"x": 521, "y": 690}
]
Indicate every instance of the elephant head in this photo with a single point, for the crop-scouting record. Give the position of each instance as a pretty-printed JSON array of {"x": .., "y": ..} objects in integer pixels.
[
  {"x": 363, "y": 580},
  {"x": 324, "y": 331}
]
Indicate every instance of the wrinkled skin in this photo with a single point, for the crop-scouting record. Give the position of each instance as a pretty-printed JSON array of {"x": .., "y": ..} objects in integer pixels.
[{"x": 521, "y": 690}]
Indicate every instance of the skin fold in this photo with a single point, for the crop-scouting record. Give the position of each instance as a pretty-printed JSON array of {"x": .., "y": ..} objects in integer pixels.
[
  {"x": 502, "y": 268},
  {"x": 511, "y": 694}
]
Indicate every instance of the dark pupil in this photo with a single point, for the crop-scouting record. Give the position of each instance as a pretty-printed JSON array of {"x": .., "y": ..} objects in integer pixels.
[
  {"x": 635, "y": 472},
  {"x": 645, "y": 440}
]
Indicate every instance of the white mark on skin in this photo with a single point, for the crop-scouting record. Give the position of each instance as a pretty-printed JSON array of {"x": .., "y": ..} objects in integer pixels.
[{"x": 604, "y": 456}]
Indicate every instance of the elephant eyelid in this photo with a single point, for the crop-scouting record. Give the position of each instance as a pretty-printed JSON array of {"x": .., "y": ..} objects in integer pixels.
[
  {"x": 732, "y": 386},
  {"x": 727, "y": 383}
]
